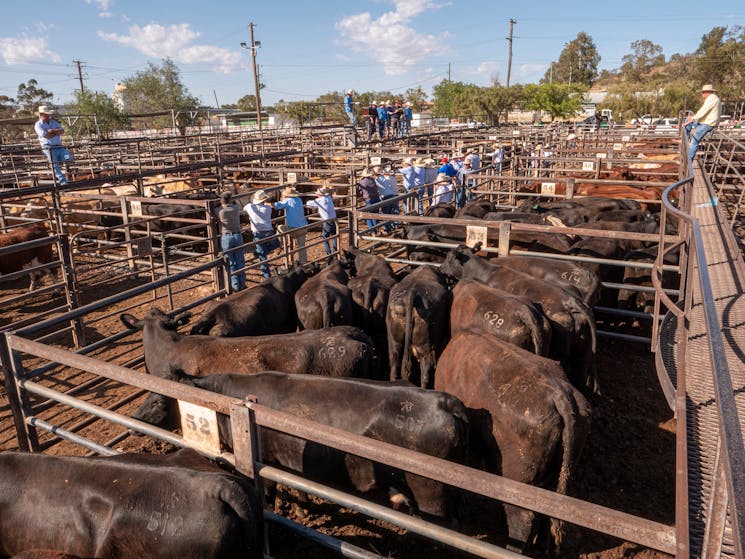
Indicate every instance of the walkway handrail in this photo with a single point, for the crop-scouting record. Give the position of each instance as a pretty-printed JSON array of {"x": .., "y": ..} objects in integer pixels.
[{"x": 731, "y": 436}]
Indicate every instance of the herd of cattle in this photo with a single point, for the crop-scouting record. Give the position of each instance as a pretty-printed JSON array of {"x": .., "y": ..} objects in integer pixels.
[{"x": 486, "y": 362}]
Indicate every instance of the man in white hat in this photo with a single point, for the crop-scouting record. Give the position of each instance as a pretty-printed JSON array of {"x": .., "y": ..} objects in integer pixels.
[
  {"x": 324, "y": 203},
  {"x": 707, "y": 117},
  {"x": 349, "y": 107},
  {"x": 260, "y": 215},
  {"x": 292, "y": 204},
  {"x": 50, "y": 137}
]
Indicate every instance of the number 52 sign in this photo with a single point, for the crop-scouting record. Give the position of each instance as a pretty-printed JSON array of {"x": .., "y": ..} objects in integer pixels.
[{"x": 199, "y": 426}]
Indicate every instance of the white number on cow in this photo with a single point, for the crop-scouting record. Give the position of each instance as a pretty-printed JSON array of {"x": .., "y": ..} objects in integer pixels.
[{"x": 493, "y": 319}]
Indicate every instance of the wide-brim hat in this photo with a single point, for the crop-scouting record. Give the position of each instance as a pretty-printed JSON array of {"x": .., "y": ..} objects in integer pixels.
[
  {"x": 418, "y": 162},
  {"x": 289, "y": 192},
  {"x": 259, "y": 197},
  {"x": 442, "y": 177},
  {"x": 45, "y": 110},
  {"x": 366, "y": 173},
  {"x": 572, "y": 137},
  {"x": 323, "y": 191},
  {"x": 408, "y": 160},
  {"x": 707, "y": 87},
  {"x": 428, "y": 161}
]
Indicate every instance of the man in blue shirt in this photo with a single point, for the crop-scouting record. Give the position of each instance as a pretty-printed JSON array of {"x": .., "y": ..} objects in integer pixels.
[
  {"x": 50, "y": 137},
  {"x": 295, "y": 218},
  {"x": 349, "y": 107}
]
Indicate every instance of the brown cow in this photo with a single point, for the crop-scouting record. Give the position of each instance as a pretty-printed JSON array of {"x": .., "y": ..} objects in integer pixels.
[
  {"x": 528, "y": 423},
  {"x": 29, "y": 257},
  {"x": 511, "y": 318}
]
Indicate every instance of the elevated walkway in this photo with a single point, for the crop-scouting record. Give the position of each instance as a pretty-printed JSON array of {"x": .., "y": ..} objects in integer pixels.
[{"x": 706, "y": 360}]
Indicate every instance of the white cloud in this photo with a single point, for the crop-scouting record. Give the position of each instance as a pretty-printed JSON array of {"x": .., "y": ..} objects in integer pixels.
[
  {"x": 24, "y": 49},
  {"x": 175, "y": 42},
  {"x": 389, "y": 39},
  {"x": 103, "y": 5}
]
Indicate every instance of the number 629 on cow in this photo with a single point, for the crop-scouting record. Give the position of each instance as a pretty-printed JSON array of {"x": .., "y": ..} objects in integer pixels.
[{"x": 199, "y": 426}]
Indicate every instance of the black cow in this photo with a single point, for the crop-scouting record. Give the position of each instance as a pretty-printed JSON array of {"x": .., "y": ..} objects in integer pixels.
[
  {"x": 27, "y": 258},
  {"x": 370, "y": 287},
  {"x": 642, "y": 277},
  {"x": 572, "y": 322},
  {"x": 130, "y": 506},
  {"x": 475, "y": 208},
  {"x": 267, "y": 308},
  {"x": 426, "y": 421},
  {"x": 325, "y": 300},
  {"x": 417, "y": 323},
  {"x": 528, "y": 423},
  {"x": 571, "y": 277},
  {"x": 511, "y": 318},
  {"x": 337, "y": 351}
]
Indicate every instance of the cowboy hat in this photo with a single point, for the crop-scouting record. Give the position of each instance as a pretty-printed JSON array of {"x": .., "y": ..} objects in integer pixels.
[
  {"x": 365, "y": 173},
  {"x": 45, "y": 110},
  {"x": 408, "y": 160},
  {"x": 572, "y": 137},
  {"x": 708, "y": 87},
  {"x": 377, "y": 169},
  {"x": 418, "y": 162},
  {"x": 259, "y": 197},
  {"x": 323, "y": 191},
  {"x": 442, "y": 177},
  {"x": 428, "y": 161},
  {"x": 289, "y": 192}
]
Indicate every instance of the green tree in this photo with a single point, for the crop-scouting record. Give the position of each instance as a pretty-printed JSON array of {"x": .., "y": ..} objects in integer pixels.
[
  {"x": 108, "y": 115},
  {"x": 300, "y": 112},
  {"x": 159, "y": 88},
  {"x": 578, "y": 62},
  {"x": 720, "y": 59},
  {"x": 416, "y": 96},
  {"x": 448, "y": 96},
  {"x": 247, "y": 103},
  {"x": 645, "y": 57},
  {"x": 30, "y": 96},
  {"x": 558, "y": 99}
]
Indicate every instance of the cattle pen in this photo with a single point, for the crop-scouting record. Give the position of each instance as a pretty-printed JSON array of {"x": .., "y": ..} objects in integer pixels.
[{"x": 137, "y": 230}]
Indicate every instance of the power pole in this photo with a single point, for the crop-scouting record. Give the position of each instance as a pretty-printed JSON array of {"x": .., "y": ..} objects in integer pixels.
[
  {"x": 78, "y": 63},
  {"x": 509, "y": 60},
  {"x": 256, "y": 77},
  {"x": 448, "y": 71}
]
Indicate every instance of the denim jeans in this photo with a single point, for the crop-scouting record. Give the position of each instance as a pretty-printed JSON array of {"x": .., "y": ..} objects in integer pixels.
[
  {"x": 53, "y": 155},
  {"x": 236, "y": 259},
  {"x": 370, "y": 202},
  {"x": 699, "y": 131},
  {"x": 389, "y": 209},
  {"x": 329, "y": 230},
  {"x": 261, "y": 250}
]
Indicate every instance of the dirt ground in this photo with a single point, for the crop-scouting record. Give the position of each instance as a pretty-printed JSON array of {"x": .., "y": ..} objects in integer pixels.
[{"x": 627, "y": 464}]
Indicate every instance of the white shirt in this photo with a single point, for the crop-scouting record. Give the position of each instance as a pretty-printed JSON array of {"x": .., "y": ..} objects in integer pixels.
[
  {"x": 710, "y": 111},
  {"x": 443, "y": 193},
  {"x": 260, "y": 216},
  {"x": 325, "y": 206}
]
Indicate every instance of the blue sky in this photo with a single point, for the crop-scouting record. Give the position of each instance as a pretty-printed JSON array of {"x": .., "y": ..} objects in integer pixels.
[{"x": 309, "y": 48}]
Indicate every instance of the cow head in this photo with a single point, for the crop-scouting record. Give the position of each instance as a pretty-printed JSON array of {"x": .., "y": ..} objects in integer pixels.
[
  {"x": 157, "y": 316},
  {"x": 457, "y": 258}
]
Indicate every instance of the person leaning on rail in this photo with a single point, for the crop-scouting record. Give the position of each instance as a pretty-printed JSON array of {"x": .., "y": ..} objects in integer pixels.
[{"x": 706, "y": 118}]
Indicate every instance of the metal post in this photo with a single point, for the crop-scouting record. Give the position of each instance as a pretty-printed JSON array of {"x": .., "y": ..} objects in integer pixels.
[{"x": 256, "y": 85}]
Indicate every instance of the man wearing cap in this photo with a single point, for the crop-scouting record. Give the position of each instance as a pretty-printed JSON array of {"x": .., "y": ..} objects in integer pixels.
[
  {"x": 408, "y": 116},
  {"x": 324, "y": 203},
  {"x": 706, "y": 118},
  {"x": 260, "y": 215},
  {"x": 349, "y": 107},
  {"x": 292, "y": 204},
  {"x": 229, "y": 216},
  {"x": 50, "y": 137},
  {"x": 369, "y": 191},
  {"x": 371, "y": 119}
]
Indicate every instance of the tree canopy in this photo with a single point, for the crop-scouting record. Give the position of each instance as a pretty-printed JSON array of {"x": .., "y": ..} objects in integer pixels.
[{"x": 578, "y": 62}]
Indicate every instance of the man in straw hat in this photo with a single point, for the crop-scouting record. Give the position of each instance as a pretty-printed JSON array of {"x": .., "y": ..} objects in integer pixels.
[
  {"x": 260, "y": 214},
  {"x": 413, "y": 178},
  {"x": 50, "y": 137},
  {"x": 324, "y": 203},
  {"x": 292, "y": 204},
  {"x": 229, "y": 216},
  {"x": 707, "y": 117}
]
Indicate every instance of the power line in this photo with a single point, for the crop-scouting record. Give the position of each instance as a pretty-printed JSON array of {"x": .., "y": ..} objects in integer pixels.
[{"x": 79, "y": 64}]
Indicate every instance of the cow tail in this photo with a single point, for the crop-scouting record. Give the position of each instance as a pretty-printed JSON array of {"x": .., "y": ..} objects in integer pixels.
[
  {"x": 530, "y": 320},
  {"x": 582, "y": 318},
  {"x": 574, "y": 412},
  {"x": 408, "y": 327},
  {"x": 203, "y": 325}
]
